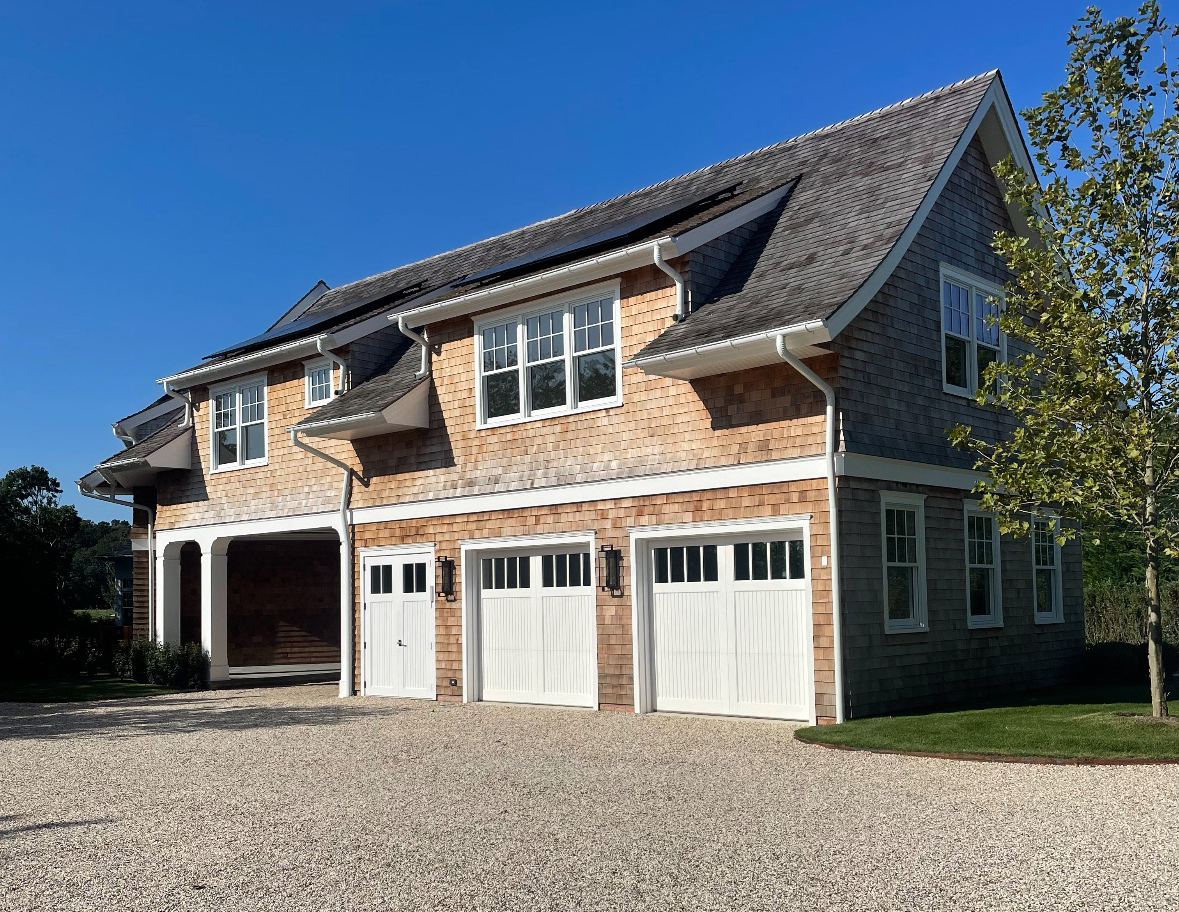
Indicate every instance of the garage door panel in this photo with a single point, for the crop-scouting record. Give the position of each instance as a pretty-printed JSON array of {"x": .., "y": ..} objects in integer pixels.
[
  {"x": 567, "y": 653},
  {"x": 730, "y": 630},
  {"x": 771, "y": 627},
  {"x": 690, "y": 664},
  {"x": 506, "y": 633}
]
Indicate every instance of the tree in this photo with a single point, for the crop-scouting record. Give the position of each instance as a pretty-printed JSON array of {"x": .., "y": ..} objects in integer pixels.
[{"x": 1095, "y": 308}]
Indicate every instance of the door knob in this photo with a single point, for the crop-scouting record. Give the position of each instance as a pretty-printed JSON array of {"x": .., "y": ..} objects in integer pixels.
[{"x": 399, "y": 643}]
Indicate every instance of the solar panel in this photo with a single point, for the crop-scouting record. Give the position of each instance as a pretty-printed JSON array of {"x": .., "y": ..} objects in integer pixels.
[
  {"x": 598, "y": 238},
  {"x": 309, "y": 322}
]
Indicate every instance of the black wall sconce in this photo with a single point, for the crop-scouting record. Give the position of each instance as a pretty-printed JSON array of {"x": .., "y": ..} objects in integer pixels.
[
  {"x": 446, "y": 571},
  {"x": 611, "y": 570}
]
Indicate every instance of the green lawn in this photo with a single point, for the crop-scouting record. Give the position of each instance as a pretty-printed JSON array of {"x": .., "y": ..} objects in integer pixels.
[
  {"x": 1075, "y": 722},
  {"x": 75, "y": 690}
]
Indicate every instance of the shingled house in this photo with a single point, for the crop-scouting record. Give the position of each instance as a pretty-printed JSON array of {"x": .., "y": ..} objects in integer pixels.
[{"x": 682, "y": 450}]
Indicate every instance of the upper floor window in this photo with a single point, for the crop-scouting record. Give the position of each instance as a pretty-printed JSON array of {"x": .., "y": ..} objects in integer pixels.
[
  {"x": 318, "y": 387},
  {"x": 984, "y": 603},
  {"x": 1046, "y": 570},
  {"x": 552, "y": 358},
  {"x": 969, "y": 340},
  {"x": 239, "y": 424},
  {"x": 903, "y": 544}
]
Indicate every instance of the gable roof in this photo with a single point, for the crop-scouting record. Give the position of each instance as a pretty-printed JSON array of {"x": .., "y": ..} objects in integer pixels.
[{"x": 138, "y": 452}]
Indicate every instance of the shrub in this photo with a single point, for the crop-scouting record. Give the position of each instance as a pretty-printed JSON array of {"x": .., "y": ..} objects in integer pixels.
[
  {"x": 146, "y": 662},
  {"x": 1115, "y": 633}
]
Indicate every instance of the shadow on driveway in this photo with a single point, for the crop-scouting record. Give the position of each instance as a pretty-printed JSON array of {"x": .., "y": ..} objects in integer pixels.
[{"x": 170, "y": 715}]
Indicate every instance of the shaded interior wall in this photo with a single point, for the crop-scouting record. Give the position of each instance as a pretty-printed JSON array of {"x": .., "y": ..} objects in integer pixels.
[
  {"x": 190, "y": 593},
  {"x": 283, "y": 602},
  {"x": 948, "y": 662}
]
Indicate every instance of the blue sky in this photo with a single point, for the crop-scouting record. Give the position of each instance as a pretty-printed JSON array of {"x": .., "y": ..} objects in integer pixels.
[{"x": 174, "y": 176}]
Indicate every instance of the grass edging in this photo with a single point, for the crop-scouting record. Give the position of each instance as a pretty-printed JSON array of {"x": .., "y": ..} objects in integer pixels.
[{"x": 996, "y": 758}]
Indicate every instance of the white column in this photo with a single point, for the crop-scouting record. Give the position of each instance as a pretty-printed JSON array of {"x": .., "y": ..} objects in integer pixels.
[
  {"x": 214, "y": 598},
  {"x": 168, "y": 595}
]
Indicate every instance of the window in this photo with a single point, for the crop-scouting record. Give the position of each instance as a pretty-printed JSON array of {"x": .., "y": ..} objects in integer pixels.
[
  {"x": 561, "y": 571},
  {"x": 984, "y": 586},
  {"x": 413, "y": 577},
  {"x": 686, "y": 564},
  {"x": 552, "y": 359},
  {"x": 969, "y": 341},
  {"x": 903, "y": 534},
  {"x": 505, "y": 572},
  {"x": 239, "y": 425},
  {"x": 774, "y": 560},
  {"x": 380, "y": 579},
  {"x": 1049, "y": 599},
  {"x": 319, "y": 387}
]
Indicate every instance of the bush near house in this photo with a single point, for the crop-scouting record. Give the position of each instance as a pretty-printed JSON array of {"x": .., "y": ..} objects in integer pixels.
[
  {"x": 1115, "y": 632},
  {"x": 180, "y": 667}
]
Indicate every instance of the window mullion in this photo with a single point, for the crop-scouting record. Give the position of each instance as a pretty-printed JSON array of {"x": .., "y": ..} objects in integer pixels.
[
  {"x": 522, "y": 367},
  {"x": 571, "y": 401}
]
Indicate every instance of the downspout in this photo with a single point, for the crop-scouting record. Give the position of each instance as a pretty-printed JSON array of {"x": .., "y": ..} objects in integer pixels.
[
  {"x": 410, "y": 334},
  {"x": 321, "y": 347},
  {"x": 681, "y": 302},
  {"x": 186, "y": 401},
  {"x": 345, "y": 531},
  {"x": 832, "y": 513},
  {"x": 86, "y": 491}
]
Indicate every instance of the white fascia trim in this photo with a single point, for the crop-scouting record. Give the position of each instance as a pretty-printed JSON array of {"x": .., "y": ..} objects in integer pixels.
[
  {"x": 721, "y": 527},
  {"x": 798, "y": 335},
  {"x": 995, "y": 98},
  {"x": 512, "y": 542},
  {"x": 289, "y": 351},
  {"x": 769, "y": 472},
  {"x": 881, "y": 468}
]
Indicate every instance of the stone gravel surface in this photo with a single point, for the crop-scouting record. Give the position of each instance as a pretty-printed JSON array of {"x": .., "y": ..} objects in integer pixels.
[{"x": 293, "y": 799}]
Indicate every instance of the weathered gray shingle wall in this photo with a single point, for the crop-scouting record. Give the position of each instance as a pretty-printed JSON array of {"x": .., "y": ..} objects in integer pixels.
[
  {"x": 889, "y": 672},
  {"x": 891, "y": 398}
]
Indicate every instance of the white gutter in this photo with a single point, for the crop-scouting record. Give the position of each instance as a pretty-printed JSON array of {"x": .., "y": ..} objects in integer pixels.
[
  {"x": 410, "y": 334},
  {"x": 832, "y": 514},
  {"x": 815, "y": 329},
  {"x": 186, "y": 401},
  {"x": 345, "y": 532},
  {"x": 321, "y": 347},
  {"x": 681, "y": 304},
  {"x": 118, "y": 431},
  {"x": 87, "y": 491}
]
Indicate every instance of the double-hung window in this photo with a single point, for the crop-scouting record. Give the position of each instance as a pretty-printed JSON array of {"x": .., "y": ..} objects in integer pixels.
[
  {"x": 317, "y": 384},
  {"x": 559, "y": 356},
  {"x": 239, "y": 424},
  {"x": 984, "y": 590},
  {"x": 902, "y": 526},
  {"x": 970, "y": 339},
  {"x": 1049, "y": 599}
]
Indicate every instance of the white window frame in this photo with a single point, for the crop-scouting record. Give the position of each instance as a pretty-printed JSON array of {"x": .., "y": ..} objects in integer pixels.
[
  {"x": 236, "y": 387},
  {"x": 1056, "y": 615},
  {"x": 518, "y": 316},
  {"x": 995, "y": 617},
  {"x": 310, "y": 367},
  {"x": 919, "y": 623},
  {"x": 976, "y": 286}
]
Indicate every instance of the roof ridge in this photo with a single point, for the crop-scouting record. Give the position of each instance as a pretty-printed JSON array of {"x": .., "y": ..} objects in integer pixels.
[{"x": 728, "y": 161}]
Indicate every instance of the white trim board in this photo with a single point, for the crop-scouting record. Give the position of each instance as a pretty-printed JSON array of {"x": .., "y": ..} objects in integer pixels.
[
  {"x": 275, "y": 671},
  {"x": 802, "y": 468}
]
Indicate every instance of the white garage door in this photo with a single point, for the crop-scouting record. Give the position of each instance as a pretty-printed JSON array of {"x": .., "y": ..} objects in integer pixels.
[
  {"x": 537, "y": 627},
  {"x": 731, "y": 627}
]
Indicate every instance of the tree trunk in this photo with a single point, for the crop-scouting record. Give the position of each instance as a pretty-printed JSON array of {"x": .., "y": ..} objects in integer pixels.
[{"x": 1154, "y": 616}]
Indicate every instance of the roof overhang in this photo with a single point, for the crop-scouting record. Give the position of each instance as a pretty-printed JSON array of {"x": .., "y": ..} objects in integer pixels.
[
  {"x": 994, "y": 122},
  {"x": 142, "y": 470},
  {"x": 288, "y": 351},
  {"x": 741, "y": 353},
  {"x": 596, "y": 267},
  {"x": 409, "y": 412},
  {"x": 96, "y": 481},
  {"x": 133, "y": 422}
]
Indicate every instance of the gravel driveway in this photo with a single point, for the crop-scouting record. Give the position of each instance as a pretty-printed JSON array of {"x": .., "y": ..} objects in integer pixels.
[{"x": 293, "y": 799}]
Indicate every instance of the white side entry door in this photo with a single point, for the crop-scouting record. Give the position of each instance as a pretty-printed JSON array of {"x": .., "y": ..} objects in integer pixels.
[{"x": 398, "y": 629}]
